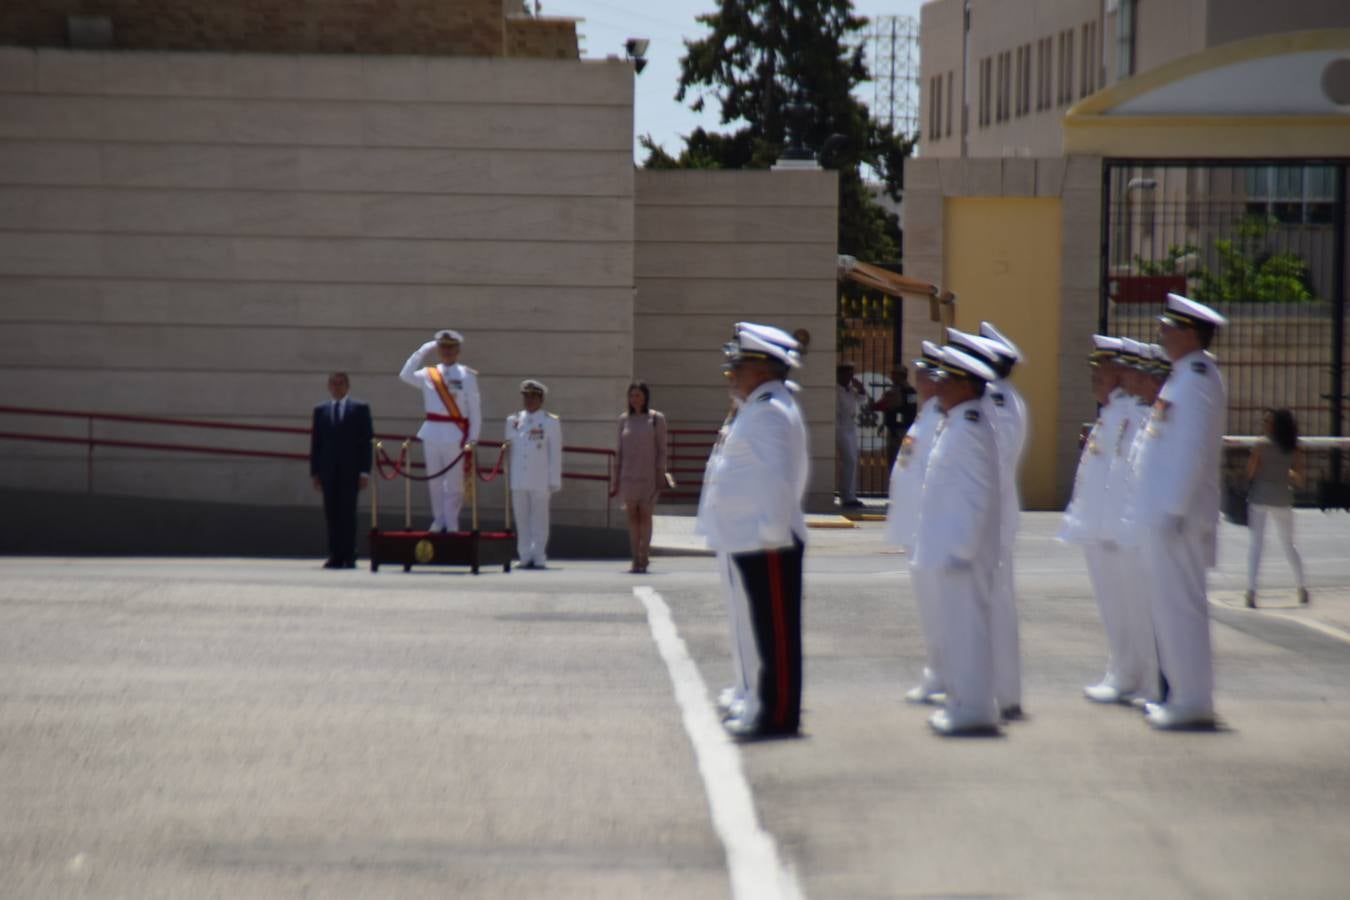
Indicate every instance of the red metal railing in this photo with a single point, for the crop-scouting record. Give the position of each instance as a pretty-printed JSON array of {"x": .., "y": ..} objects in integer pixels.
[
  {"x": 91, "y": 442},
  {"x": 687, "y": 451}
]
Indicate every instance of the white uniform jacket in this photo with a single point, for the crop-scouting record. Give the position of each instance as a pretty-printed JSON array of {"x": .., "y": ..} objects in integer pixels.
[
  {"x": 959, "y": 516},
  {"x": 462, "y": 383},
  {"x": 911, "y": 461},
  {"x": 1124, "y": 477},
  {"x": 1007, "y": 412},
  {"x": 1181, "y": 455},
  {"x": 1088, "y": 508},
  {"x": 536, "y": 451},
  {"x": 756, "y": 477}
]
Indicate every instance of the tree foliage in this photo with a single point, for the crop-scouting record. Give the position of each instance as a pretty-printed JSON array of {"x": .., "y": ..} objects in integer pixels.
[
  {"x": 758, "y": 57},
  {"x": 1247, "y": 271}
]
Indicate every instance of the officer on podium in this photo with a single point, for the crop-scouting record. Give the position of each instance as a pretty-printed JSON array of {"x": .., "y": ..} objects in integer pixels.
[
  {"x": 750, "y": 511},
  {"x": 453, "y": 420}
]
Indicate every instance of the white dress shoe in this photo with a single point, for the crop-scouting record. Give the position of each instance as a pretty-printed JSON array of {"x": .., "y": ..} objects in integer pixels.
[
  {"x": 436, "y": 525},
  {"x": 1171, "y": 718},
  {"x": 947, "y": 726},
  {"x": 727, "y": 698},
  {"x": 741, "y": 728},
  {"x": 1105, "y": 692},
  {"x": 923, "y": 693}
]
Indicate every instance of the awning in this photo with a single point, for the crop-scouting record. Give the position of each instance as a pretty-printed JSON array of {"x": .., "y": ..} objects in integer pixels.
[{"x": 897, "y": 285}]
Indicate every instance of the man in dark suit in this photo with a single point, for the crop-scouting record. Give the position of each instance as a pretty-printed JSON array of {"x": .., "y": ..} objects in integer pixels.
[{"x": 339, "y": 465}]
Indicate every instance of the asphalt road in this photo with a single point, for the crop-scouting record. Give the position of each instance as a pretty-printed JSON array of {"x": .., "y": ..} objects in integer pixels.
[{"x": 206, "y": 728}]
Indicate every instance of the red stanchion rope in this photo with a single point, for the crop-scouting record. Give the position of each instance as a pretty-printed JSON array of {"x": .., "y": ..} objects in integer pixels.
[
  {"x": 496, "y": 468},
  {"x": 399, "y": 466}
]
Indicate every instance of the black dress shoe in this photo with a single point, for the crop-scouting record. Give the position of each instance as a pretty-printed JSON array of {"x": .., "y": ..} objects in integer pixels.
[
  {"x": 349, "y": 564},
  {"x": 332, "y": 564}
]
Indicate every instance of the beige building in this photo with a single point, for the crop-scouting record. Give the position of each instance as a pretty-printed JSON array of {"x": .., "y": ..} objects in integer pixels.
[
  {"x": 997, "y": 76},
  {"x": 196, "y": 232}
]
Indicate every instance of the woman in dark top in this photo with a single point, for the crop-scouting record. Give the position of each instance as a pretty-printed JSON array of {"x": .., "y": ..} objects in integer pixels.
[
  {"x": 1275, "y": 462},
  {"x": 642, "y": 469}
]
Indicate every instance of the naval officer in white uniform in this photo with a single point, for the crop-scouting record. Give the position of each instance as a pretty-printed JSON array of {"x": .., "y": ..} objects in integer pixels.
[
  {"x": 535, "y": 437},
  {"x": 957, "y": 543},
  {"x": 750, "y": 512},
  {"x": 902, "y": 516},
  {"x": 1177, "y": 511},
  {"x": 453, "y": 420},
  {"x": 1089, "y": 516},
  {"x": 1007, "y": 412}
]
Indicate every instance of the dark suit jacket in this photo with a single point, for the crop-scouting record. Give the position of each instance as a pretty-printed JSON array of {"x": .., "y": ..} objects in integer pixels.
[{"x": 340, "y": 451}]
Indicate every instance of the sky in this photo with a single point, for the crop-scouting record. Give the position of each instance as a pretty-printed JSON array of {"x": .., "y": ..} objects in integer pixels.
[{"x": 608, "y": 23}]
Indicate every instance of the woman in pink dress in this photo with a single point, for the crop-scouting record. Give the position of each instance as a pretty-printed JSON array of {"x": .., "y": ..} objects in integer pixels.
[{"x": 642, "y": 469}]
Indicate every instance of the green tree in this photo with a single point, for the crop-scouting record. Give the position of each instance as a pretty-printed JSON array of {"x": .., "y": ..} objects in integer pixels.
[
  {"x": 1249, "y": 273},
  {"x": 758, "y": 57}
]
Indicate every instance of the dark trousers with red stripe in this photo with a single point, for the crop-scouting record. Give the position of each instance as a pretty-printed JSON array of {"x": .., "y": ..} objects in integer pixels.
[{"x": 773, "y": 588}]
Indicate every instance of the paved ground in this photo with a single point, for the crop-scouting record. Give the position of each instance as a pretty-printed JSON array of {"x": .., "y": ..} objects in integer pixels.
[{"x": 184, "y": 728}]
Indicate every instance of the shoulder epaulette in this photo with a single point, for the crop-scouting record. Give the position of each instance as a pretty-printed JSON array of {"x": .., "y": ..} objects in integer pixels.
[
  {"x": 551, "y": 415},
  {"x": 972, "y": 415},
  {"x": 1198, "y": 367},
  {"x": 765, "y": 396},
  {"x": 998, "y": 398}
]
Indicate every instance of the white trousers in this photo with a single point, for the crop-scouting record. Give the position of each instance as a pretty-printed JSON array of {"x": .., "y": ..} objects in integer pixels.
[
  {"x": 1007, "y": 657},
  {"x": 1174, "y": 565},
  {"x": 745, "y": 662},
  {"x": 530, "y": 509},
  {"x": 1283, "y": 517},
  {"x": 846, "y": 467},
  {"x": 447, "y": 491},
  {"x": 927, "y": 601},
  {"x": 1123, "y": 600},
  {"x": 967, "y": 643}
]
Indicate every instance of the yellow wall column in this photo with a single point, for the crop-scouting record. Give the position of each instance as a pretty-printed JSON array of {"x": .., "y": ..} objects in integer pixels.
[{"x": 1002, "y": 258}]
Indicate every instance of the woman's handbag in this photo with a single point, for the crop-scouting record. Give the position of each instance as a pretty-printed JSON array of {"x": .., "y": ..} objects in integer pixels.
[{"x": 1235, "y": 503}]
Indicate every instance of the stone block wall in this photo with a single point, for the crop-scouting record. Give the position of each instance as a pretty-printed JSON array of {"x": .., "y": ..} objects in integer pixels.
[
  {"x": 426, "y": 27},
  {"x": 715, "y": 248},
  {"x": 208, "y": 235}
]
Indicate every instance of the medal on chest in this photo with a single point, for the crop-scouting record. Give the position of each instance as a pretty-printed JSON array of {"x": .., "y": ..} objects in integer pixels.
[
  {"x": 906, "y": 451},
  {"x": 1158, "y": 417}
]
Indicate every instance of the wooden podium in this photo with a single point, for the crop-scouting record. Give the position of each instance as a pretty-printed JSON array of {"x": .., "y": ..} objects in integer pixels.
[
  {"x": 442, "y": 548},
  {"x": 474, "y": 548}
]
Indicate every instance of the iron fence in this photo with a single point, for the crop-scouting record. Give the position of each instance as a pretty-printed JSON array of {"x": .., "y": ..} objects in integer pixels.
[
  {"x": 869, "y": 337},
  {"x": 1264, "y": 243}
]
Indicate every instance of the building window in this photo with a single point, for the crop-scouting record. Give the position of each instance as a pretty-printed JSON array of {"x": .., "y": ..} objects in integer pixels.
[
  {"x": 935, "y": 107},
  {"x": 1004, "y": 96},
  {"x": 1087, "y": 78},
  {"x": 1127, "y": 25},
  {"x": 1044, "y": 72},
  {"x": 986, "y": 89},
  {"x": 1026, "y": 79},
  {"x": 950, "y": 77},
  {"x": 1292, "y": 195},
  {"x": 1065, "y": 92}
]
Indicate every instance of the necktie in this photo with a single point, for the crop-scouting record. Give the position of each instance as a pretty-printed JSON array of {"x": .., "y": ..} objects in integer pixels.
[{"x": 333, "y": 413}]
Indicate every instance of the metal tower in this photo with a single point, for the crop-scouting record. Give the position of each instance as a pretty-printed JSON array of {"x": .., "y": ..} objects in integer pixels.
[{"x": 892, "y": 49}]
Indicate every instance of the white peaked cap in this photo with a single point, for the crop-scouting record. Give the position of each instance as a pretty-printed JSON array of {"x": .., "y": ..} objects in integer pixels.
[
  {"x": 449, "y": 336},
  {"x": 1185, "y": 311},
  {"x": 765, "y": 342},
  {"x": 956, "y": 361},
  {"x": 929, "y": 358},
  {"x": 1009, "y": 350},
  {"x": 769, "y": 333},
  {"x": 982, "y": 348},
  {"x": 1106, "y": 343}
]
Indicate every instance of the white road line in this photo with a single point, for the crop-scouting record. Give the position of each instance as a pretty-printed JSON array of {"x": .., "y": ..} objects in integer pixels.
[
  {"x": 1321, "y": 627},
  {"x": 757, "y": 872}
]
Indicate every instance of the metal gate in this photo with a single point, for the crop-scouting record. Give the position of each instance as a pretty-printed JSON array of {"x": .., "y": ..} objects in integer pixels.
[
  {"x": 1264, "y": 243},
  {"x": 869, "y": 335}
]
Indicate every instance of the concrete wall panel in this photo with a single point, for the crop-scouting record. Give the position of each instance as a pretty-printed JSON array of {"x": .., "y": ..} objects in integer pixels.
[
  {"x": 711, "y": 252},
  {"x": 208, "y": 235}
]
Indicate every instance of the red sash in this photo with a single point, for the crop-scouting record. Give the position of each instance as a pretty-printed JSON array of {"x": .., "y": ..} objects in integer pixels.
[{"x": 451, "y": 407}]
